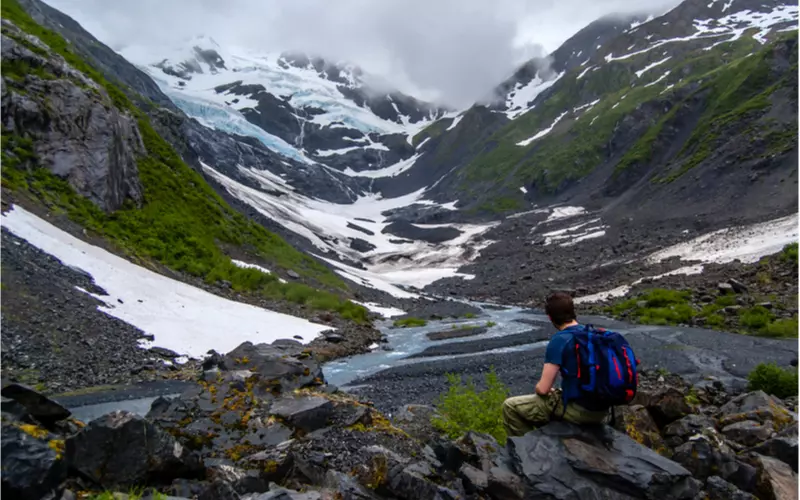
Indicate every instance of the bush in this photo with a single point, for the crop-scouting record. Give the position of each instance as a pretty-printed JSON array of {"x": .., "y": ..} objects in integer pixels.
[
  {"x": 406, "y": 322},
  {"x": 755, "y": 318},
  {"x": 772, "y": 379},
  {"x": 789, "y": 253},
  {"x": 463, "y": 408},
  {"x": 782, "y": 328}
]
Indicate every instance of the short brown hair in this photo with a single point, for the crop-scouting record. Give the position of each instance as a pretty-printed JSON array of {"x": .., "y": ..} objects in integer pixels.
[{"x": 560, "y": 308}]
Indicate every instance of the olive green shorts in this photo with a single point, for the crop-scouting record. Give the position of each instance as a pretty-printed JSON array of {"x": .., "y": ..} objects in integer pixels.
[{"x": 522, "y": 414}]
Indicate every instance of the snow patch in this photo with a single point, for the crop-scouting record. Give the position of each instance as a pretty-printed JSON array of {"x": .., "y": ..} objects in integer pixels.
[
  {"x": 518, "y": 99},
  {"x": 455, "y": 123},
  {"x": 666, "y": 74},
  {"x": 651, "y": 66},
  {"x": 542, "y": 133},
  {"x": 182, "y": 318}
]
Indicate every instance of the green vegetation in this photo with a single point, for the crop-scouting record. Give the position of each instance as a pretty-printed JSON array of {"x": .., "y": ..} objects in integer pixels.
[
  {"x": 182, "y": 223},
  {"x": 132, "y": 494},
  {"x": 410, "y": 322},
  {"x": 469, "y": 315},
  {"x": 464, "y": 408},
  {"x": 772, "y": 379},
  {"x": 490, "y": 324},
  {"x": 789, "y": 253},
  {"x": 670, "y": 307}
]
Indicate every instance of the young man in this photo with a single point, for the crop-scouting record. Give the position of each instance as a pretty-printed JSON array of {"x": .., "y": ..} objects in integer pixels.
[{"x": 522, "y": 414}]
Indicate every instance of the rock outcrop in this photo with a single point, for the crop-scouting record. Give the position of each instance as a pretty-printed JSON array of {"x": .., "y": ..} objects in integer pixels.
[
  {"x": 261, "y": 423},
  {"x": 80, "y": 135}
]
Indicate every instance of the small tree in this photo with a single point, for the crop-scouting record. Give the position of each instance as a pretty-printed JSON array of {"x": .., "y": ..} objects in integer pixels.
[{"x": 463, "y": 408}]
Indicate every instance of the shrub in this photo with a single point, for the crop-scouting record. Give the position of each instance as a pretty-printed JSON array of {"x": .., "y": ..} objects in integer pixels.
[
  {"x": 469, "y": 315},
  {"x": 755, "y": 318},
  {"x": 406, "y": 322},
  {"x": 463, "y": 408},
  {"x": 772, "y": 379},
  {"x": 490, "y": 324},
  {"x": 789, "y": 253},
  {"x": 783, "y": 328}
]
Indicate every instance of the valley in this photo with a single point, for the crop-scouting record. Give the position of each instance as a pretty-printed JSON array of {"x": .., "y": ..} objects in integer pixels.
[{"x": 178, "y": 220}]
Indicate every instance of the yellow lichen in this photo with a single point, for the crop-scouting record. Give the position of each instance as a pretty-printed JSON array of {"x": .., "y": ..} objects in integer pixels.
[
  {"x": 33, "y": 430},
  {"x": 58, "y": 446}
]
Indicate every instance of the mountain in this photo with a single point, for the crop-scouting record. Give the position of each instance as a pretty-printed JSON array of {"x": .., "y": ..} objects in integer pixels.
[{"x": 688, "y": 109}]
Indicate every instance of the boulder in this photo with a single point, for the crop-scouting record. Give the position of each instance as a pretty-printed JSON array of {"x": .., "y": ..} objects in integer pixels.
[
  {"x": 285, "y": 366},
  {"x": 239, "y": 480},
  {"x": 784, "y": 448},
  {"x": 725, "y": 288},
  {"x": 308, "y": 413},
  {"x": 636, "y": 422},
  {"x": 40, "y": 407},
  {"x": 123, "y": 449},
  {"x": 344, "y": 487},
  {"x": 32, "y": 463},
  {"x": 416, "y": 421},
  {"x": 704, "y": 458},
  {"x": 737, "y": 286},
  {"x": 757, "y": 406},
  {"x": 720, "y": 489},
  {"x": 688, "y": 426},
  {"x": 776, "y": 480},
  {"x": 561, "y": 460},
  {"x": 667, "y": 405},
  {"x": 748, "y": 432}
]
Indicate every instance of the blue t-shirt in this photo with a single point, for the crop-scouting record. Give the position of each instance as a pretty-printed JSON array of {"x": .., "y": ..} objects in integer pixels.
[{"x": 560, "y": 345}]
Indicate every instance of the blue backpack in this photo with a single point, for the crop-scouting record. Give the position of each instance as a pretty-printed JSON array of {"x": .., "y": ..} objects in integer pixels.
[{"x": 606, "y": 369}]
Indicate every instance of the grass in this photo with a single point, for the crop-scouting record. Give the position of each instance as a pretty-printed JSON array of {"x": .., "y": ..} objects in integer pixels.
[
  {"x": 772, "y": 379},
  {"x": 464, "y": 408},
  {"x": 490, "y": 324},
  {"x": 789, "y": 253},
  {"x": 410, "y": 322},
  {"x": 660, "y": 306},
  {"x": 133, "y": 494},
  {"x": 182, "y": 223}
]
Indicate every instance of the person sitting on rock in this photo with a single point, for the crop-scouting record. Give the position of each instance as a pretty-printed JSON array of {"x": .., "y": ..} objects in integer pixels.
[{"x": 522, "y": 414}]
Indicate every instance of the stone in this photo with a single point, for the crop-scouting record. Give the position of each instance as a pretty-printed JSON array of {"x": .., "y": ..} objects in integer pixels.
[
  {"x": 334, "y": 338},
  {"x": 148, "y": 452},
  {"x": 705, "y": 459},
  {"x": 776, "y": 480},
  {"x": 293, "y": 274},
  {"x": 240, "y": 481},
  {"x": 416, "y": 421},
  {"x": 277, "y": 364},
  {"x": 475, "y": 480},
  {"x": 636, "y": 422},
  {"x": 344, "y": 487},
  {"x": 732, "y": 309},
  {"x": 737, "y": 285},
  {"x": 414, "y": 481},
  {"x": 272, "y": 434},
  {"x": 32, "y": 467},
  {"x": 561, "y": 460},
  {"x": 505, "y": 485},
  {"x": 784, "y": 448},
  {"x": 757, "y": 406},
  {"x": 719, "y": 489},
  {"x": 747, "y": 432},
  {"x": 40, "y": 407},
  {"x": 164, "y": 353},
  {"x": 308, "y": 413},
  {"x": 688, "y": 426},
  {"x": 725, "y": 288},
  {"x": 667, "y": 405}
]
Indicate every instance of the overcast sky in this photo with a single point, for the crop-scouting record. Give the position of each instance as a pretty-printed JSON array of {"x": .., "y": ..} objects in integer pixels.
[{"x": 452, "y": 50}]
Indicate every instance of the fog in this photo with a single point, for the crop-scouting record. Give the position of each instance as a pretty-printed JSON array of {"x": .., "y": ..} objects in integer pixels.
[{"x": 451, "y": 51}]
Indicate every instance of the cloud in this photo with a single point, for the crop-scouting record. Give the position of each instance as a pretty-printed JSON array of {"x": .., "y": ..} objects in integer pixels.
[{"x": 453, "y": 51}]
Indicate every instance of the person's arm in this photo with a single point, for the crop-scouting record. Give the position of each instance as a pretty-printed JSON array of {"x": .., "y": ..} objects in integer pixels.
[{"x": 549, "y": 372}]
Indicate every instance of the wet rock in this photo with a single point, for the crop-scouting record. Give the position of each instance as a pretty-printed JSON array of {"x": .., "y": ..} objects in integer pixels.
[
  {"x": 747, "y": 432},
  {"x": 308, "y": 413},
  {"x": 719, "y": 489},
  {"x": 33, "y": 467},
  {"x": 334, "y": 338},
  {"x": 38, "y": 406},
  {"x": 784, "y": 448},
  {"x": 776, "y": 480},
  {"x": 704, "y": 459},
  {"x": 149, "y": 453},
  {"x": 293, "y": 274},
  {"x": 561, "y": 460}
]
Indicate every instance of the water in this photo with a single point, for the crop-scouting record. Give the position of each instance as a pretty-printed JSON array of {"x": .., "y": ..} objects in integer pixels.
[{"x": 407, "y": 341}]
